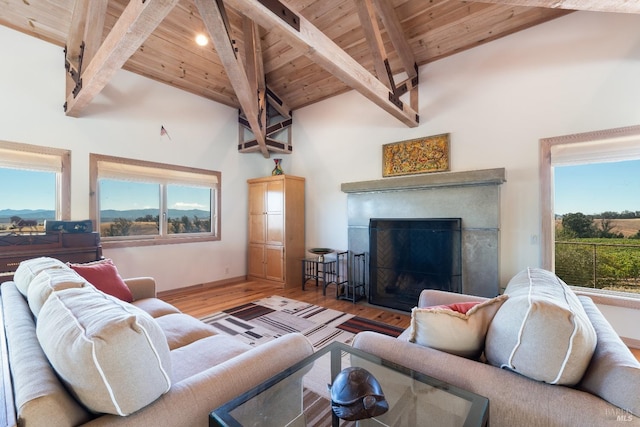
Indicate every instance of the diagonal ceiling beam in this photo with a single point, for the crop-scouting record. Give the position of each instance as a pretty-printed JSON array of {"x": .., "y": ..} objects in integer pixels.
[
  {"x": 255, "y": 69},
  {"x": 398, "y": 39},
  {"x": 74, "y": 49},
  {"x": 84, "y": 38},
  {"x": 323, "y": 51},
  {"x": 214, "y": 18},
  {"x": 137, "y": 22},
  {"x": 369, "y": 22},
  {"x": 96, "y": 14},
  {"x": 618, "y": 6}
]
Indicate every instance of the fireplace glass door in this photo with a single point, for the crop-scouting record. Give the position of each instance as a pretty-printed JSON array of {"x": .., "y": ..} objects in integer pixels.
[{"x": 409, "y": 255}]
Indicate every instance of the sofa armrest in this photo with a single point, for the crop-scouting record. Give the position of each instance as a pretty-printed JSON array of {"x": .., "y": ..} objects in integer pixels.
[
  {"x": 190, "y": 401},
  {"x": 513, "y": 399},
  {"x": 431, "y": 297},
  {"x": 141, "y": 287}
]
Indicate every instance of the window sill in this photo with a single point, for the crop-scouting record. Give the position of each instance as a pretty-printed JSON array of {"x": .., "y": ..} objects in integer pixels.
[
  {"x": 613, "y": 298},
  {"x": 129, "y": 243}
]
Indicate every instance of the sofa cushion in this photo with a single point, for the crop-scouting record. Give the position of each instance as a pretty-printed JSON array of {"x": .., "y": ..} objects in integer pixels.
[
  {"x": 51, "y": 280},
  {"x": 541, "y": 331},
  {"x": 111, "y": 355},
  {"x": 155, "y": 306},
  {"x": 458, "y": 328},
  {"x": 181, "y": 329},
  {"x": 29, "y": 269},
  {"x": 614, "y": 372},
  {"x": 204, "y": 353},
  {"x": 104, "y": 275}
]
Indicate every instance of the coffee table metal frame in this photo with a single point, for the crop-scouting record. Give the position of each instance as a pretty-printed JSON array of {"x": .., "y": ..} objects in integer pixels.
[{"x": 477, "y": 416}]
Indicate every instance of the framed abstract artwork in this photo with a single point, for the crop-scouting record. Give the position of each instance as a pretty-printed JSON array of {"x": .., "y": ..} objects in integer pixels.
[{"x": 420, "y": 155}]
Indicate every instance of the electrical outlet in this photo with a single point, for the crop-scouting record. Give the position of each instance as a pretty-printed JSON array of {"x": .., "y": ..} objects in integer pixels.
[{"x": 226, "y": 270}]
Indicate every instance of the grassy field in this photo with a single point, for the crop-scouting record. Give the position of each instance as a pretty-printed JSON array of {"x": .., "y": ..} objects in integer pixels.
[
  {"x": 137, "y": 228},
  {"x": 628, "y": 227}
]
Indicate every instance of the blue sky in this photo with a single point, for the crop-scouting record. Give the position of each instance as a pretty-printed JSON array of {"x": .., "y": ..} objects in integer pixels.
[
  {"x": 144, "y": 196},
  {"x": 36, "y": 190},
  {"x": 596, "y": 188},
  {"x": 588, "y": 189},
  {"x": 27, "y": 190}
]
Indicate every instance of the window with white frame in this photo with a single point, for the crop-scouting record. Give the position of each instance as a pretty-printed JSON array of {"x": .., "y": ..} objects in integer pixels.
[
  {"x": 34, "y": 186},
  {"x": 140, "y": 202}
]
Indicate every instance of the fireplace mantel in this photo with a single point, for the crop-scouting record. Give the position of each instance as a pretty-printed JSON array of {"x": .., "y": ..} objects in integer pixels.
[
  {"x": 424, "y": 181},
  {"x": 473, "y": 196}
]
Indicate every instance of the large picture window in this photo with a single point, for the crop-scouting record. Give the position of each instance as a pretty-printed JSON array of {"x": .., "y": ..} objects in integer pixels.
[
  {"x": 590, "y": 209},
  {"x": 34, "y": 187},
  {"x": 139, "y": 202}
]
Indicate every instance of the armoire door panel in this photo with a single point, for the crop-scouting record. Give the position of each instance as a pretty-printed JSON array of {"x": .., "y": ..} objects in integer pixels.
[
  {"x": 275, "y": 229},
  {"x": 256, "y": 262},
  {"x": 257, "y": 228},
  {"x": 275, "y": 197},
  {"x": 257, "y": 199},
  {"x": 274, "y": 263}
]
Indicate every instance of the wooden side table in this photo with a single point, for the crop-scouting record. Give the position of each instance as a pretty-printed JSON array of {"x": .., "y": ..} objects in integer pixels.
[{"x": 325, "y": 271}]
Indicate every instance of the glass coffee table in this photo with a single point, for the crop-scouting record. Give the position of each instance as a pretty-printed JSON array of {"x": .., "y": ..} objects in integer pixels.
[{"x": 300, "y": 396}]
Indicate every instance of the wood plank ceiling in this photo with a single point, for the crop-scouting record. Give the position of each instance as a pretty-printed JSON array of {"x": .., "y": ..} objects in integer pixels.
[{"x": 270, "y": 57}]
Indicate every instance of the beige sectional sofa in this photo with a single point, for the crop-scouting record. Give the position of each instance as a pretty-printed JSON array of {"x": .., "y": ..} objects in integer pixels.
[
  {"x": 77, "y": 356},
  {"x": 529, "y": 338}
]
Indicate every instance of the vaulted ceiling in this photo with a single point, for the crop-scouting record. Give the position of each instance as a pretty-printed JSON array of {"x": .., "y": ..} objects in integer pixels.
[{"x": 270, "y": 57}]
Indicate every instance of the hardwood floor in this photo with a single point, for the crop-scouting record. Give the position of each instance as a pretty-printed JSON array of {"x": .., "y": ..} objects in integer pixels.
[{"x": 201, "y": 301}]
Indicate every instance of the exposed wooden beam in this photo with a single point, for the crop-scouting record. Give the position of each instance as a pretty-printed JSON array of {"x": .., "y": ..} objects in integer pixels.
[
  {"x": 403, "y": 49},
  {"x": 85, "y": 36},
  {"x": 278, "y": 103},
  {"x": 96, "y": 15},
  {"x": 617, "y": 6},
  {"x": 136, "y": 23},
  {"x": 74, "y": 49},
  {"x": 369, "y": 22},
  {"x": 213, "y": 16},
  {"x": 323, "y": 51},
  {"x": 398, "y": 39},
  {"x": 255, "y": 69}
]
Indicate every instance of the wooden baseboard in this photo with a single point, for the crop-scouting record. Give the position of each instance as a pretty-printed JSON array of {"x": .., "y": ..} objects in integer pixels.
[{"x": 217, "y": 283}]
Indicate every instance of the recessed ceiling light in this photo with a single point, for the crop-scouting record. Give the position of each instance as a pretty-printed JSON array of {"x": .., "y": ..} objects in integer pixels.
[{"x": 202, "y": 40}]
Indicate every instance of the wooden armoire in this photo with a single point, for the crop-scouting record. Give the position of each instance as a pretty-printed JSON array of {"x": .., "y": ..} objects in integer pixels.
[{"x": 276, "y": 229}]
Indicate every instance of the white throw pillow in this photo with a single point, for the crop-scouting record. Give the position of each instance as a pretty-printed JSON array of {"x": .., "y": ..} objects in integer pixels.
[
  {"x": 51, "y": 280},
  {"x": 110, "y": 354},
  {"x": 29, "y": 269},
  {"x": 453, "y": 329},
  {"x": 542, "y": 330}
]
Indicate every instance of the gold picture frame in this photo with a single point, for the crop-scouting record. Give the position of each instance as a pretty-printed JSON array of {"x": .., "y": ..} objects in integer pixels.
[{"x": 414, "y": 156}]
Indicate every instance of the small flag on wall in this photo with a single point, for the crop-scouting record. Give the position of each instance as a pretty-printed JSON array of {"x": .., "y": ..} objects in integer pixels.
[{"x": 163, "y": 132}]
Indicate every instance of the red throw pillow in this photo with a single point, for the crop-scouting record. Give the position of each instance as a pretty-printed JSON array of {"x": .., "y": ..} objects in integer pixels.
[
  {"x": 104, "y": 276},
  {"x": 460, "y": 307}
]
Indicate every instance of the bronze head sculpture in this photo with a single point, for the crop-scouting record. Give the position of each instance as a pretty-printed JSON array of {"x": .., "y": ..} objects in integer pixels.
[{"x": 356, "y": 395}]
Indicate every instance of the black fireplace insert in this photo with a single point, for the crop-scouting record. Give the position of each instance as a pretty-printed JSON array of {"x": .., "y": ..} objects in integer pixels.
[{"x": 409, "y": 255}]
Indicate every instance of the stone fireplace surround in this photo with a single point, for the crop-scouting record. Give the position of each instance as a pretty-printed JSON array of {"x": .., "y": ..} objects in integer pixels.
[{"x": 473, "y": 196}]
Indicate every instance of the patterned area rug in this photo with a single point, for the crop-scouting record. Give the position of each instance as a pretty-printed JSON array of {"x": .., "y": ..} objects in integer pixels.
[{"x": 269, "y": 318}]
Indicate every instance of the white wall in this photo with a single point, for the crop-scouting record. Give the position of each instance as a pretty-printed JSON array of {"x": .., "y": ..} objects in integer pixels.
[
  {"x": 124, "y": 120},
  {"x": 574, "y": 74}
]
